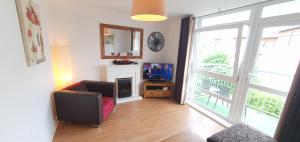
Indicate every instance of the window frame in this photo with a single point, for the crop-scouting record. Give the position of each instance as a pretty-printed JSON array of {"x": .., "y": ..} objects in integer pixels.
[{"x": 256, "y": 24}]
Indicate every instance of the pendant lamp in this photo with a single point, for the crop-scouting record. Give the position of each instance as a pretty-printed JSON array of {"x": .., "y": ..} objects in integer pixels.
[{"x": 148, "y": 10}]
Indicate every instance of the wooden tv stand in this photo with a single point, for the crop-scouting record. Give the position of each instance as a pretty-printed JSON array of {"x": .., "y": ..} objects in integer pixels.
[{"x": 158, "y": 89}]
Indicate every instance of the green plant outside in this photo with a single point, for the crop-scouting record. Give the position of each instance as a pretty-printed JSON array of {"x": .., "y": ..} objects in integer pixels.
[
  {"x": 217, "y": 58},
  {"x": 217, "y": 62},
  {"x": 269, "y": 104},
  {"x": 272, "y": 105},
  {"x": 220, "y": 64}
]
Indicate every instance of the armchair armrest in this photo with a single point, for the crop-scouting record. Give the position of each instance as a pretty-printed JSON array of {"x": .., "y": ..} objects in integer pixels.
[
  {"x": 107, "y": 89},
  {"x": 77, "y": 106}
]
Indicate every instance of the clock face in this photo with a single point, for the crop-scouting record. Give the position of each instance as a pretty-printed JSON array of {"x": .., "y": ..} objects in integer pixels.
[{"x": 156, "y": 41}]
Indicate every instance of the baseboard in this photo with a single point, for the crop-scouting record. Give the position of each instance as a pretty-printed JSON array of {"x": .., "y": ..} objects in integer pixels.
[
  {"x": 130, "y": 99},
  {"x": 54, "y": 131}
]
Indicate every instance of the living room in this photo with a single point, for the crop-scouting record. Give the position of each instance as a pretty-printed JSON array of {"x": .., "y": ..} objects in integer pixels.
[{"x": 198, "y": 70}]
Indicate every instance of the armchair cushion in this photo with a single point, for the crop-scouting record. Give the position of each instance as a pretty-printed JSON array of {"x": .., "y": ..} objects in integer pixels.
[
  {"x": 107, "y": 89},
  {"x": 108, "y": 106}
]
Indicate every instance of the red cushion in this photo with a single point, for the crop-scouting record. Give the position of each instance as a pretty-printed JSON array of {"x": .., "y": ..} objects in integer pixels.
[{"x": 107, "y": 106}]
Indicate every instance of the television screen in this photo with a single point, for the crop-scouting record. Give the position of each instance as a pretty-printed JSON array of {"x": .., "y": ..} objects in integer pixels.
[{"x": 161, "y": 72}]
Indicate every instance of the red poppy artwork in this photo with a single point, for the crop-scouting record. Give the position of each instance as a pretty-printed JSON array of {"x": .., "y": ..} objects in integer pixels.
[{"x": 30, "y": 25}]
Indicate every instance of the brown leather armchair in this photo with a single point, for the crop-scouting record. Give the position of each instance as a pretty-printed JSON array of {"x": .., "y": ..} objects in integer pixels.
[{"x": 85, "y": 102}]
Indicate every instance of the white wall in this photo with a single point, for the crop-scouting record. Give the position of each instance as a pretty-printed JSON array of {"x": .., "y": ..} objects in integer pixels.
[
  {"x": 173, "y": 34},
  {"x": 25, "y": 104},
  {"x": 77, "y": 26}
]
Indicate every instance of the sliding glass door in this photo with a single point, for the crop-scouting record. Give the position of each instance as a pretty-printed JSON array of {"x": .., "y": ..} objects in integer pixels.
[
  {"x": 243, "y": 63},
  {"x": 276, "y": 60},
  {"x": 216, "y": 70}
]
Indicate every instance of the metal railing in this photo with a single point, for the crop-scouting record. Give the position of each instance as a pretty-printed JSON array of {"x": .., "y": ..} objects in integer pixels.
[{"x": 268, "y": 104}]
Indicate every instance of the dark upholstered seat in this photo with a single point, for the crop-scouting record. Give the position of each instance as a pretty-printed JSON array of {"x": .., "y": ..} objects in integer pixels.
[{"x": 85, "y": 102}]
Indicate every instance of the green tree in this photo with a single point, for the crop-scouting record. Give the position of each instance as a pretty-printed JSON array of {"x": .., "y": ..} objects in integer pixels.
[
  {"x": 217, "y": 58},
  {"x": 217, "y": 62}
]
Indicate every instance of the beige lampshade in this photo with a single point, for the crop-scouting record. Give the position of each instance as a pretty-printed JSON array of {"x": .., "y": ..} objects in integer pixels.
[{"x": 148, "y": 10}]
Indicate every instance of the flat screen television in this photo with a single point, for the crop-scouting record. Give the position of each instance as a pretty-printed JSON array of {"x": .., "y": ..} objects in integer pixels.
[{"x": 158, "y": 72}]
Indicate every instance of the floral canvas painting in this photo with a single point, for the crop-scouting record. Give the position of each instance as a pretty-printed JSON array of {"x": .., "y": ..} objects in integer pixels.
[{"x": 31, "y": 29}]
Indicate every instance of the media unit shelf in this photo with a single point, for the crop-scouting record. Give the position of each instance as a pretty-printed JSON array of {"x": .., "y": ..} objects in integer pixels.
[{"x": 158, "y": 89}]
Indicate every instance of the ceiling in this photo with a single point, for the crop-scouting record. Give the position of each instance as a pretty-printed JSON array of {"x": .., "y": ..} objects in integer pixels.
[{"x": 174, "y": 7}]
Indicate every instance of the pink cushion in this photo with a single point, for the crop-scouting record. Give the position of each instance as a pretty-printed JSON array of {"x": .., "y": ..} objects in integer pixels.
[{"x": 107, "y": 106}]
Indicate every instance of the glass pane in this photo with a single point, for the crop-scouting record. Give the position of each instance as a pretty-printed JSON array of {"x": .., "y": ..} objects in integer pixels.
[
  {"x": 278, "y": 57},
  {"x": 216, "y": 51},
  {"x": 229, "y": 18},
  {"x": 281, "y": 9},
  {"x": 213, "y": 94},
  {"x": 264, "y": 109}
]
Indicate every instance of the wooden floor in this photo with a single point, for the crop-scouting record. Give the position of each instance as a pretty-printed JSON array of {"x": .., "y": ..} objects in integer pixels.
[{"x": 149, "y": 120}]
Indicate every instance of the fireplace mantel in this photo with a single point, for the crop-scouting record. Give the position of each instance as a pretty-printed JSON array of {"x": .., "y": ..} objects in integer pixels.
[{"x": 114, "y": 72}]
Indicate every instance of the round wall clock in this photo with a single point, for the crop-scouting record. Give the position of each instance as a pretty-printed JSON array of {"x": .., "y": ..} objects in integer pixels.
[{"x": 156, "y": 41}]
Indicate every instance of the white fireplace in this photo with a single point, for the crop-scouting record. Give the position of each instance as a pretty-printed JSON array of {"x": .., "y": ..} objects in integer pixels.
[{"x": 119, "y": 72}]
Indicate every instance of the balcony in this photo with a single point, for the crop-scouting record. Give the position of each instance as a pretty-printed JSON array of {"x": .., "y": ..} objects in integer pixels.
[
  {"x": 216, "y": 95},
  {"x": 213, "y": 94}
]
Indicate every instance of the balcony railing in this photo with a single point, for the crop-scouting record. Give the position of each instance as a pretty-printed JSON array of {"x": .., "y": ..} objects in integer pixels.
[
  {"x": 221, "y": 90},
  {"x": 217, "y": 68}
]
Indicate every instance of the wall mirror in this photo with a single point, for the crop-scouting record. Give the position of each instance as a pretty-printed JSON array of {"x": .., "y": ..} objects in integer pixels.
[{"x": 119, "y": 42}]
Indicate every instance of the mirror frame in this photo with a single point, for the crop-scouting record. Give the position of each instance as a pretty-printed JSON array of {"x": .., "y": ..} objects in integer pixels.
[{"x": 102, "y": 46}]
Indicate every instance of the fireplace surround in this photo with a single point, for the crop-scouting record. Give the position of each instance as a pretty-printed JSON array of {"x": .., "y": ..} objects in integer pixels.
[{"x": 117, "y": 73}]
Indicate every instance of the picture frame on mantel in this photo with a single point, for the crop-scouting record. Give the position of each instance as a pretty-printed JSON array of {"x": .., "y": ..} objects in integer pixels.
[{"x": 31, "y": 30}]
